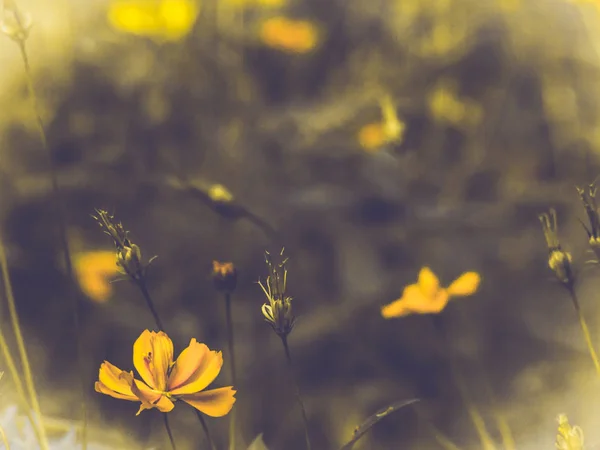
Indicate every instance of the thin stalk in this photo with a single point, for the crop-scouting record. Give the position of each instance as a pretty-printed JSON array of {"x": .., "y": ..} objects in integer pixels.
[
  {"x": 585, "y": 330},
  {"x": 288, "y": 358},
  {"x": 169, "y": 432},
  {"x": 142, "y": 285},
  {"x": 205, "y": 428},
  {"x": 63, "y": 237},
  {"x": 485, "y": 438},
  {"x": 230, "y": 342},
  {"x": 4, "y": 440},
  {"x": 14, "y": 318}
]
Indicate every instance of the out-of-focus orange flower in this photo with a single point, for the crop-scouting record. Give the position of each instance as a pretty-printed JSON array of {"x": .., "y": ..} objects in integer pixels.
[
  {"x": 292, "y": 36},
  {"x": 373, "y": 136},
  {"x": 94, "y": 271},
  {"x": 428, "y": 297},
  {"x": 165, "y": 381}
]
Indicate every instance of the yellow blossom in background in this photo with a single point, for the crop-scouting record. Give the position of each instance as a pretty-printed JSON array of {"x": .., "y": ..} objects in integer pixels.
[
  {"x": 445, "y": 106},
  {"x": 428, "y": 297},
  {"x": 373, "y": 136},
  {"x": 94, "y": 271},
  {"x": 169, "y": 20},
  {"x": 165, "y": 381},
  {"x": 288, "y": 35}
]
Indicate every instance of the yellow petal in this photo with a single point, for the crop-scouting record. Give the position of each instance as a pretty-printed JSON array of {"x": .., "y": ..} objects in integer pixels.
[
  {"x": 207, "y": 370},
  {"x": 192, "y": 361},
  {"x": 213, "y": 403},
  {"x": 103, "y": 389},
  {"x": 152, "y": 358},
  {"x": 395, "y": 309},
  {"x": 428, "y": 282},
  {"x": 413, "y": 301},
  {"x": 110, "y": 381},
  {"x": 148, "y": 397},
  {"x": 466, "y": 284}
]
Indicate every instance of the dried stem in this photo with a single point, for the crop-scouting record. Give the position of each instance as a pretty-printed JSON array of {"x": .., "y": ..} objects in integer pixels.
[
  {"x": 288, "y": 358},
  {"x": 63, "y": 238}
]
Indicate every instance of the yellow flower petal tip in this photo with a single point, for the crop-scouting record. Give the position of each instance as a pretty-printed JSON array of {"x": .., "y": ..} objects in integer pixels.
[
  {"x": 428, "y": 297},
  {"x": 165, "y": 381},
  {"x": 287, "y": 35},
  {"x": 169, "y": 20},
  {"x": 94, "y": 270},
  {"x": 466, "y": 284}
]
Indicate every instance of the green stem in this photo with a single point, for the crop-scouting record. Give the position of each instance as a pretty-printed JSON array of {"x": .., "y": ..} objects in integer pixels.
[
  {"x": 169, "y": 432},
  {"x": 288, "y": 358},
  {"x": 205, "y": 428},
  {"x": 487, "y": 442},
  {"x": 584, "y": 328},
  {"x": 230, "y": 342},
  {"x": 142, "y": 285}
]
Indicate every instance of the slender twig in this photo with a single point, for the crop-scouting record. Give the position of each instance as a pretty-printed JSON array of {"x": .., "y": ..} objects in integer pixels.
[
  {"x": 141, "y": 283},
  {"x": 230, "y": 342},
  {"x": 288, "y": 358},
  {"x": 487, "y": 442},
  {"x": 169, "y": 432},
  {"x": 584, "y": 329},
  {"x": 4, "y": 440},
  {"x": 14, "y": 318},
  {"x": 205, "y": 428},
  {"x": 12, "y": 367},
  {"x": 63, "y": 235}
]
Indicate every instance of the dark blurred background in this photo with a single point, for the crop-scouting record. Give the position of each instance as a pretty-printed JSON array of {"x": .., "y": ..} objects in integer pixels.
[{"x": 500, "y": 105}]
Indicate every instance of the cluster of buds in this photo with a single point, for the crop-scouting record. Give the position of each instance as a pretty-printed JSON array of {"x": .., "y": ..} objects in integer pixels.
[
  {"x": 129, "y": 256},
  {"x": 224, "y": 276},
  {"x": 278, "y": 312},
  {"x": 14, "y": 23},
  {"x": 588, "y": 198},
  {"x": 569, "y": 437},
  {"x": 559, "y": 261}
]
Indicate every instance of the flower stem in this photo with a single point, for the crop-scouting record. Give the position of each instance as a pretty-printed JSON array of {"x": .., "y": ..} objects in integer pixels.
[
  {"x": 487, "y": 442},
  {"x": 30, "y": 386},
  {"x": 63, "y": 241},
  {"x": 169, "y": 432},
  {"x": 585, "y": 329},
  {"x": 288, "y": 358},
  {"x": 230, "y": 342},
  {"x": 142, "y": 285},
  {"x": 205, "y": 428}
]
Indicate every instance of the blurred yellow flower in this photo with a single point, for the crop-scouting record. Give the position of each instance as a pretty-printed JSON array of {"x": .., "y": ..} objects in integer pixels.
[
  {"x": 168, "y": 20},
  {"x": 446, "y": 106},
  {"x": 373, "y": 136},
  {"x": 94, "y": 271},
  {"x": 427, "y": 297},
  {"x": 165, "y": 381},
  {"x": 288, "y": 35}
]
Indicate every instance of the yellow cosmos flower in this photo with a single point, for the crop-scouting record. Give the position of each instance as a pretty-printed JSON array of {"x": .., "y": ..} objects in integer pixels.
[
  {"x": 94, "y": 271},
  {"x": 165, "y": 381},
  {"x": 169, "y": 20},
  {"x": 292, "y": 36},
  {"x": 427, "y": 297}
]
